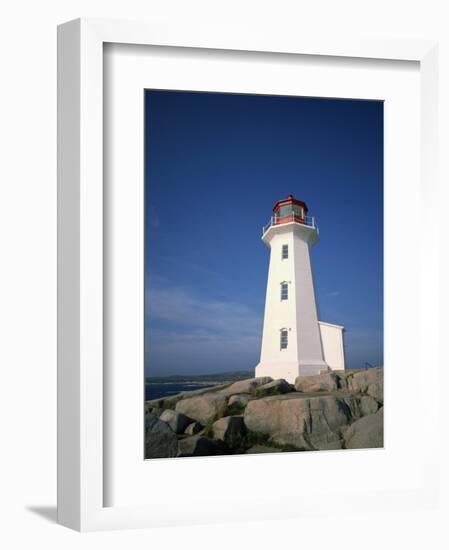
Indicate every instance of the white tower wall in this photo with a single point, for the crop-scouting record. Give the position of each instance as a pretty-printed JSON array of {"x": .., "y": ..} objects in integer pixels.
[
  {"x": 333, "y": 349},
  {"x": 297, "y": 314}
]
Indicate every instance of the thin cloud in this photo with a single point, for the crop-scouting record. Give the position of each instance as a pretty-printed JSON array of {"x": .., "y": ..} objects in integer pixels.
[
  {"x": 192, "y": 267},
  {"x": 185, "y": 308},
  {"x": 186, "y": 333}
]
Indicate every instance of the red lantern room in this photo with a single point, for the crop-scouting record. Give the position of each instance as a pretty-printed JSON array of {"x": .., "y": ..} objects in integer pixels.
[{"x": 290, "y": 210}]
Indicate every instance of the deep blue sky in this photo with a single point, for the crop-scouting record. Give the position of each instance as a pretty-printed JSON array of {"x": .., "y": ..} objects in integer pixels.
[{"x": 215, "y": 165}]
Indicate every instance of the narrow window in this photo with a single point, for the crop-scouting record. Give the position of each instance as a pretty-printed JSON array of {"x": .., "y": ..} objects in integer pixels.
[
  {"x": 284, "y": 251},
  {"x": 284, "y": 291},
  {"x": 284, "y": 338}
]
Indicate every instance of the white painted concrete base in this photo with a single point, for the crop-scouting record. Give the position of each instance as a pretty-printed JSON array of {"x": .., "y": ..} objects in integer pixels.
[
  {"x": 290, "y": 370},
  {"x": 333, "y": 347}
]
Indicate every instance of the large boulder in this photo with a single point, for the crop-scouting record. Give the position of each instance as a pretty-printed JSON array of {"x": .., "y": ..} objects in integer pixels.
[
  {"x": 297, "y": 421},
  {"x": 160, "y": 439},
  {"x": 230, "y": 429},
  {"x": 177, "y": 421},
  {"x": 198, "y": 445},
  {"x": 170, "y": 401},
  {"x": 367, "y": 432},
  {"x": 326, "y": 381},
  {"x": 342, "y": 376},
  {"x": 240, "y": 400},
  {"x": 162, "y": 403},
  {"x": 204, "y": 408},
  {"x": 276, "y": 387},
  {"x": 369, "y": 381},
  {"x": 368, "y": 405},
  {"x": 246, "y": 386},
  {"x": 153, "y": 410}
]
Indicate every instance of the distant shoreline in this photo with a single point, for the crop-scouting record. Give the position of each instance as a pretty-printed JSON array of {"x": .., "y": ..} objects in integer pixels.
[
  {"x": 157, "y": 390},
  {"x": 193, "y": 382},
  {"x": 207, "y": 379},
  {"x": 200, "y": 379}
]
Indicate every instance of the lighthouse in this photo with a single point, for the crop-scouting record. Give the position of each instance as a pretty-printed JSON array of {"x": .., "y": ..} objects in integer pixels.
[{"x": 294, "y": 342}]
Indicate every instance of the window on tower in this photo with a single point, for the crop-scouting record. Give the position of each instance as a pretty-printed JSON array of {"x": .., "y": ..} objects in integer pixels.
[
  {"x": 297, "y": 210},
  {"x": 284, "y": 251},
  {"x": 284, "y": 291},
  {"x": 285, "y": 211},
  {"x": 284, "y": 338}
]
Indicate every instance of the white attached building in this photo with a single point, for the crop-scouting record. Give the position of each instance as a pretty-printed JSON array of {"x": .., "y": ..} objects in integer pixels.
[{"x": 294, "y": 342}]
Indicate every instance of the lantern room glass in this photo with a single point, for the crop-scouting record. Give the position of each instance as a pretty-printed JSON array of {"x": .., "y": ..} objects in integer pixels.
[
  {"x": 287, "y": 210},
  {"x": 298, "y": 210}
]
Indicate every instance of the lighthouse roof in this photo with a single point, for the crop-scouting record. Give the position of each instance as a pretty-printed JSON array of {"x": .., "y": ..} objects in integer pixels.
[{"x": 290, "y": 200}]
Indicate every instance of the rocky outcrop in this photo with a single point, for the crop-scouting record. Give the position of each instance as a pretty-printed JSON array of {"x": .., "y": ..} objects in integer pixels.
[
  {"x": 304, "y": 423},
  {"x": 193, "y": 428},
  {"x": 259, "y": 449},
  {"x": 239, "y": 400},
  {"x": 177, "y": 421},
  {"x": 171, "y": 401},
  {"x": 198, "y": 445},
  {"x": 368, "y": 405},
  {"x": 160, "y": 439},
  {"x": 321, "y": 382},
  {"x": 229, "y": 429},
  {"x": 154, "y": 410},
  {"x": 370, "y": 381},
  {"x": 333, "y": 410},
  {"x": 276, "y": 387},
  {"x": 367, "y": 432},
  {"x": 246, "y": 386},
  {"x": 203, "y": 408}
]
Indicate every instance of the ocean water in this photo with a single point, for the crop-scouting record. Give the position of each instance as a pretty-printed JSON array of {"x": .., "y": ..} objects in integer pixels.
[{"x": 158, "y": 390}]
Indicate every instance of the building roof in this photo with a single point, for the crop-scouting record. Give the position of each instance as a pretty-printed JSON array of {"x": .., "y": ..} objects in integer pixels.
[
  {"x": 290, "y": 200},
  {"x": 341, "y": 327}
]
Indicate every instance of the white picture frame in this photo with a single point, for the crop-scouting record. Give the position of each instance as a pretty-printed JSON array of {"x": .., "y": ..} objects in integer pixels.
[{"x": 81, "y": 403}]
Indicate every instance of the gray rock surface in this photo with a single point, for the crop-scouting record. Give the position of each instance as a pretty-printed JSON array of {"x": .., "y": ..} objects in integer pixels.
[
  {"x": 369, "y": 381},
  {"x": 327, "y": 381},
  {"x": 343, "y": 377},
  {"x": 153, "y": 410},
  {"x": 198, "y": 445},
  {"x": 368, "y": 405},
  {"x": 259, "y": 449},
  {"x": 160, "y": 439},
  {"x": 330, "y": 411},
  {"x": 276, "y": 387},
  {"x": 246, "y": 386},
  {"x": 163, "y": 403},
  {"x": 240, "y": 400},
  {"x": 304, "y": 423},
  {"x": 170, "y": 401},
  {"x": 204, "y": 408},
  {"x": 193, "y": 428},
  {"x": 230, "y": 429},
  {"x": 177, "y": 421},
  {"x": 365, "y": 433}
]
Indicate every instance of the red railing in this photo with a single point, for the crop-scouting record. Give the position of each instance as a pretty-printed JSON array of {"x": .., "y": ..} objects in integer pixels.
[{"x": 309, "y": 221}]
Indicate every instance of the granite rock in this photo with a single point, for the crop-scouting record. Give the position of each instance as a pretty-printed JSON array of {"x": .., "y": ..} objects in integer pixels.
[
  {"x": 365, "y": 433},
  {"x": 160, "y": 439},
  {"x": 204, "y": 408},
  {"x": 177, "y": 421}
]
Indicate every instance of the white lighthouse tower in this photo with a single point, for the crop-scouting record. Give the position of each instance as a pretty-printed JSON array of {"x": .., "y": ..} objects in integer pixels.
[{"x": 294, "y": 342}]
